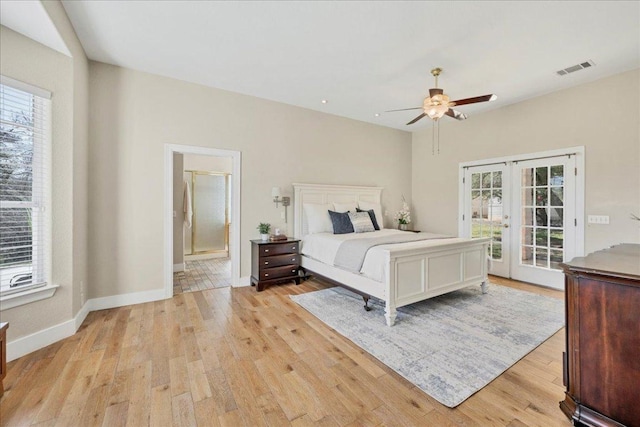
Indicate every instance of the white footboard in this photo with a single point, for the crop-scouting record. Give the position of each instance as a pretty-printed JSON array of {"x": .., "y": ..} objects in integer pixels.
[{"x": 419, "y": 274}]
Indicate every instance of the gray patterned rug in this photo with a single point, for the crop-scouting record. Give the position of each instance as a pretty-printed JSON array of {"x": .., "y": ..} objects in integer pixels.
[{"x": 450, "y": 346}]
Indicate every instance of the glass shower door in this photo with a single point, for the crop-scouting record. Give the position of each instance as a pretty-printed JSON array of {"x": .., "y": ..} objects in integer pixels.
[{"x": 209, "y": 212}]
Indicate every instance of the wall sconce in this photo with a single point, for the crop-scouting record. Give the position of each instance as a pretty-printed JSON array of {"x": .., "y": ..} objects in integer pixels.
[{"x": 286, "y": 201}]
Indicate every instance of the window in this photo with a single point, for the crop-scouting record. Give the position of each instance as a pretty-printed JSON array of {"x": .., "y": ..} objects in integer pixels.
[{"x": 24, "y": 186}]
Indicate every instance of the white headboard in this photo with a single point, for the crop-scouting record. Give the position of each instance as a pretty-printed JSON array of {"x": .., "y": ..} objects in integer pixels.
[{"x": 321, "y": 193}]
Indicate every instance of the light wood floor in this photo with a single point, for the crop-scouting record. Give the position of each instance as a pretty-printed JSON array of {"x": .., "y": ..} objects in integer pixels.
[{"x": 235, "y": 357}]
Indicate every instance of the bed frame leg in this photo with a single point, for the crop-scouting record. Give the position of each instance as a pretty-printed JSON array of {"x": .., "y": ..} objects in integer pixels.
[
  {"x": 483, "y": 286},
  {"x": 366, "y": 303}
]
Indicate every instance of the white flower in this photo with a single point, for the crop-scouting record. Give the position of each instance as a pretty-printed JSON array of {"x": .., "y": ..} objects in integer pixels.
[{"x": 404, "y": 215}]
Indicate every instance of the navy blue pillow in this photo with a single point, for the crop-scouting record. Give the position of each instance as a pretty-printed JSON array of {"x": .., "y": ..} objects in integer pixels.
[
  {"x": 341, "y": 222},
  {"x": 372, "y": 215}
]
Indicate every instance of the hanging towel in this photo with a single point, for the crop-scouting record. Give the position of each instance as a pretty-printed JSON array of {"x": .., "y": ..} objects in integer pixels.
[{"x": 188, "y": 210}]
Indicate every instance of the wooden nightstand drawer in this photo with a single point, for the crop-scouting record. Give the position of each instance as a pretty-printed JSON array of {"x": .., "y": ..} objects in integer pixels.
[
  {"x": 279, "y": 272},
  {"x": 278, "y": 260},
  {"x": 277, "y": 249}
]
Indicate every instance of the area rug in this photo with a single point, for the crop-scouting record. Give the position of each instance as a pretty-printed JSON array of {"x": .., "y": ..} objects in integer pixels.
[{"x": 450, "y": 346}]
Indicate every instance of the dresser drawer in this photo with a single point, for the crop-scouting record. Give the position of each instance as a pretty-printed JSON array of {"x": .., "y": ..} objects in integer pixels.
[
  {"x": 278, "y": 272},
  {"x": 278, "y": 260},
  {"x": 282, "y": 248}
]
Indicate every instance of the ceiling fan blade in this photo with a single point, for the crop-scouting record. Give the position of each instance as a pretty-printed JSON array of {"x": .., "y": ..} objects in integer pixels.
[
  {"x": 456, "y": 114},
  {"x": 474, "y": 100},
  {"x": 404, "y": 109},
  {"x": 416, "y": 119}
]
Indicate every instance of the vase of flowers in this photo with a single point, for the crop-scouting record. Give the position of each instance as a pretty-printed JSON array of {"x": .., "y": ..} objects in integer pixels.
[
  {"x": 403, "y": 216},
  {"x": 264, "y": 228}
]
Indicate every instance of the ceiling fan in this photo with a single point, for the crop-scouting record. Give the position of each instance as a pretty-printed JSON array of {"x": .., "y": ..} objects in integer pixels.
[{"x": 437, "y": 104}]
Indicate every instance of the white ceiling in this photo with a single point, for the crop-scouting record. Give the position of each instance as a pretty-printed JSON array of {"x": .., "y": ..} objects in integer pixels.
[
  {"x": 365, "y": 57},
  {"x": 29, "y": 17}
]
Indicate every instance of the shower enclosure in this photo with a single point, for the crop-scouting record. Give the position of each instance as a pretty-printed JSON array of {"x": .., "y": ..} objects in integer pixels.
[{"x": 210, "y": 203}]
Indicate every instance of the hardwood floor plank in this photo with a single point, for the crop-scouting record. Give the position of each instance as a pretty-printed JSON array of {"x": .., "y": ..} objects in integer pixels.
[
  {"x": 234, "y": 357},
  {"x": 161, "y": 406}
]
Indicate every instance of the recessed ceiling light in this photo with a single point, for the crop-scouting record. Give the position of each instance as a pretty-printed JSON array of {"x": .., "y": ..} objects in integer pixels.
[
  {"x": 377, "y": 114},
  {"x": 324, "y": 101}
]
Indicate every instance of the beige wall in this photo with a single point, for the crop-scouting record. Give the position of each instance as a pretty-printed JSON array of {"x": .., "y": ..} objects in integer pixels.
[
  {"x": 208, "y": 163},
  {"x": 26, "y": 60},
  {"x": 603, "y": 116},
  {"x": 132, "y": 116}
]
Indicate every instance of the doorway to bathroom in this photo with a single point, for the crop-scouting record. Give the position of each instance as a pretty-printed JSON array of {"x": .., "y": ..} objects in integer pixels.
[{"x": 202, "y": 220}]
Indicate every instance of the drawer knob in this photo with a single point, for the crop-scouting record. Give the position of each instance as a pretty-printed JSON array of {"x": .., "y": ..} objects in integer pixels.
[
  {"x": 293, "y": 271},
  {"x": 293, "y": 259},
  {"x": 266, "y": 263},
  {"x": 294, "y": 248},
  {"x": 266, "y": 275},
  {"x": 266, "y": 250}
]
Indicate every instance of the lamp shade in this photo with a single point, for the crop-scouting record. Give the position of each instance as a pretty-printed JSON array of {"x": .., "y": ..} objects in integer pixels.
[{"x": 275, "y": 192}]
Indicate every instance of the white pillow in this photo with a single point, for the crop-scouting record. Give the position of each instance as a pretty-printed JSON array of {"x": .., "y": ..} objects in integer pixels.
[
  {"x": 318, "y": 219},
  {"x": 361, "y": 222},
  {"x": 344, "y": 207},
  {"x": 377, "y": 209}
]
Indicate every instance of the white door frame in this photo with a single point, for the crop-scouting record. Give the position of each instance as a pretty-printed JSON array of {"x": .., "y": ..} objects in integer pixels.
[
  {"x": 236, "y": 159},
  {"x": 578, "y": 151}
]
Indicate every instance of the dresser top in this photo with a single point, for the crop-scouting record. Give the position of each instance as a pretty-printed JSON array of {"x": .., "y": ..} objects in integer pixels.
[
  {"x": 271, "y": 242},
  {"x": 620, "y": 260}
]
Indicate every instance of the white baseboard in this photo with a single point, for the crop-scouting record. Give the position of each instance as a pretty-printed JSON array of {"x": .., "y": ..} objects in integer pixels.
[
  {"x": 178, "y": 267},
  {"x": 36, "y": 341},
  {"x": 244, "y": 281},
  {"x": 125, "y": 299},
  {"x": 30, "y": 343}
]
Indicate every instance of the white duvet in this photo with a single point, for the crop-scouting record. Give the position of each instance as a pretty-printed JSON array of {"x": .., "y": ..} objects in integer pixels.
[{"x": 324, "y": 246}]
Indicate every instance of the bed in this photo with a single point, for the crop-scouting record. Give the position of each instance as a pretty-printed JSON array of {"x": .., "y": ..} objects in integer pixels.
[{"x": 398, "y": 274}]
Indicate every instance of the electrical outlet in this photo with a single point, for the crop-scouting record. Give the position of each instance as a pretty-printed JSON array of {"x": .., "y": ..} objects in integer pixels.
[{"x": 598, "y": 219}]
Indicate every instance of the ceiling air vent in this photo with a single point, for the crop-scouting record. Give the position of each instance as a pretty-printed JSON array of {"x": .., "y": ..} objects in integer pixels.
[{"x": 576, "y": 67}]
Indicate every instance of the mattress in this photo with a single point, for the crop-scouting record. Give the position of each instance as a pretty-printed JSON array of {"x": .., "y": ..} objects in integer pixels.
[{"x": 324, "y": 246}]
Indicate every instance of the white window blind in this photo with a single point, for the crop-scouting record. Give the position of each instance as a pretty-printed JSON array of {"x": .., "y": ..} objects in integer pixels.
[{"x": 25, "y": 144}]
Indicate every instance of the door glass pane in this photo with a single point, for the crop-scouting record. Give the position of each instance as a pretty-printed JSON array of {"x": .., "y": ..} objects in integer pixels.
[
  {"x": 541, "y": 197},
  {"x": 557, "y": 175},
  {"x": 556, "y": 238},
  {"x": 475, "y": 181},
  {"x": 542, "y": 257},
  {"x": 527, "y": 255},
  {"x": 486, "y": 180},
  {"x": 527, "y": 197},
  {"x": 555, "y": 258},
  {"x": 541, "y": 176},
  {"x": 496, "y": 251},
  {"x": 527, "y": 177},
  {"x": 527, "y": 216},
  {"x": 541, "y": 237},
  {"x": 556, "y": 217},
  {"x": 557, "y": 196},
  {"x": 542, "y": 219},
  {"x": 497, "y": 179},
  {"x": 527, "y": 235}
]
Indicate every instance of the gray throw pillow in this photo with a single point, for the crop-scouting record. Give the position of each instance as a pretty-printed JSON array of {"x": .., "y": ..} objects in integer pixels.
[{"x": 341, "y": 222}]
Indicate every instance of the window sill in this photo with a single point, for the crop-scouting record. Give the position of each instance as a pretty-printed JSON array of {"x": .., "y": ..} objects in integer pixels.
[{"x": 26, "y": 297}]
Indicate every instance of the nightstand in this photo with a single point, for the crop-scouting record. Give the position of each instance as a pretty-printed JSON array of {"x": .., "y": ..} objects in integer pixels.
[{"x": 273, "y": 262}]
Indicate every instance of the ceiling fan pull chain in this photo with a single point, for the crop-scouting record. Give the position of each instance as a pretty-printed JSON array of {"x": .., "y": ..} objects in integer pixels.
[
  {"x": 438, "y": 122},
  {"x": 433, "y": 138}
]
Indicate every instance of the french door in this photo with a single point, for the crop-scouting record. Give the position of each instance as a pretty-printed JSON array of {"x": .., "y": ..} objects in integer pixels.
[
  {"x": 487, "y": 213},
  {"x": 528, "y": 208}
]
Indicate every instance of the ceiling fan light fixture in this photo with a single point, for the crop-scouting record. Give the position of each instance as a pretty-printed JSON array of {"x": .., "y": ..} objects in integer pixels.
[{"x": 436, "y": 106}]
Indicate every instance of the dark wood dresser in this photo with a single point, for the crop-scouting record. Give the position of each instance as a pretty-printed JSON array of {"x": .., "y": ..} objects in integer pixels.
[
  {"x": 273, "y": 262},
  {"x": 602, "y": 359}
]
